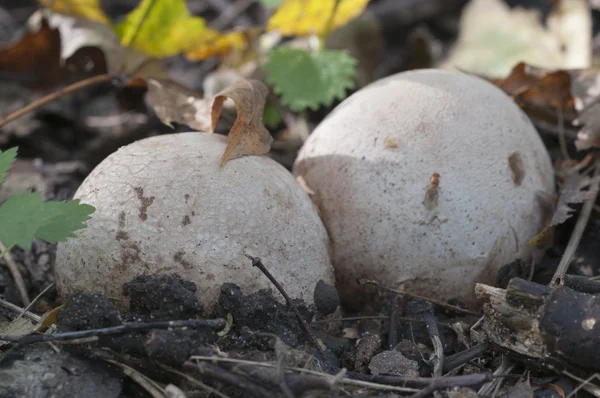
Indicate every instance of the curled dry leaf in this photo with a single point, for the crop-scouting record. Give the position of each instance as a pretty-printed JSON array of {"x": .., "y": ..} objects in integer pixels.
[
  {"x": 175, "y": 103},
  {"x": 248, "y": 135}
]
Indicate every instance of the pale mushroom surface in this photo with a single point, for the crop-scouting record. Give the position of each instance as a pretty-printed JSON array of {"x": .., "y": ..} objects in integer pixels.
[
  {"x": 163, "y": 205},
  {"x": 369, "y": 164}
]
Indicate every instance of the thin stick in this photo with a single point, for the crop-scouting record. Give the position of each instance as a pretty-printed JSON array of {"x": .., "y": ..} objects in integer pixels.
[
  {"x": 561, "y": 133},
  {"x": 416, "y": 296},
  {"x": 57, "y": 94},
  {"x": 34, "y": 300},
  {"x": 257, "y": 262},
  {"x": 346, "y": 381},
  {"x": 144, "y": 381},
  {"x": 16, "y": 274},
  {"x": 193, "y": 381},
  {"x": 30, "y": 315},
  {"x": 582, "y": 220},
  {"x": 114, "y": 330}
]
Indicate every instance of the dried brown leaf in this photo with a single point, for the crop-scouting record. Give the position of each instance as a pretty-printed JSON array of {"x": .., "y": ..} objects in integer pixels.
[
  {"x": 537, "y": 87},
  {"x": 175, "y": 103},
  {"x": 248, "y": 135},
  {"x": 577, "y": 188}
]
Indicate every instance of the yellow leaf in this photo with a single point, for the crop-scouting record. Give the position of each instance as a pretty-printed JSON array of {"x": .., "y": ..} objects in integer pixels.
[
  {"x": 49, "y": 318},
  {"x": 219, "y": 45},
  {"x": 89, "y": 9},
  {"x": 162, "y": 28},
  {"x": 305, "y": 17},
  {"x": 248, "y": 135}
]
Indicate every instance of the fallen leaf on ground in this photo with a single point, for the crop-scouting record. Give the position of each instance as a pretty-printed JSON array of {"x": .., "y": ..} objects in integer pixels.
[
  {"x": 89, "y": 9},
  {"x": 248, "y": 135},
  {"x": 49, "y": 318},
  {"x": 34, "y": 60},
  {"x": 19, "y": 327},
  {"x": 175, "y": 103},
  {"x": 494, "y": 37},
  {"x": 577, "y": 188},
  {"x": 306, "y": 17},
  {"x": 538, "y": 87},
  {"x": 586, "y": 90}
]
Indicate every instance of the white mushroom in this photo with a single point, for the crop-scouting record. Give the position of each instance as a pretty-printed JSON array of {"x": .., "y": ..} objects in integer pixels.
[
  {"x": 371, "y": 166},
  {"x": 165, "y": 205}
]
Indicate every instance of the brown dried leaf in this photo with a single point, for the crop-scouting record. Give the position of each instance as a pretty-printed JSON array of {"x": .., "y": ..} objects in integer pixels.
[
  {"x": 538, "y": 87},
  {"x": 248, "y": 135},
  {"x": 175, "y": 103},
  {"x": 577, "y": 188}
]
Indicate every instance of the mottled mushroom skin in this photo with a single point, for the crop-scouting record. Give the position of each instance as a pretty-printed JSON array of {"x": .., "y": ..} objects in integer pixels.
[
  {"x": 491, "y": 162},
  {"x": 164, "y": 205}
]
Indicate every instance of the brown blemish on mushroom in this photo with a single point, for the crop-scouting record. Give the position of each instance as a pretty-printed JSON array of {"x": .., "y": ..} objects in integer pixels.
[
  {"x": 517, "y": 168},
  {"x": 179, "y": 258},
  {"x": 122, "y": 235},
  {"x": 122, "y": 220},
  {"x": 186, "y": 221},
  {"x": 130, "y": 255},
  {"x": 146, "y": 202}
]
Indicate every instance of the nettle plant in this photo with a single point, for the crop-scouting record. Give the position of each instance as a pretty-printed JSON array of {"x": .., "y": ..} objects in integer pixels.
[{"x": 27, "y": 216}]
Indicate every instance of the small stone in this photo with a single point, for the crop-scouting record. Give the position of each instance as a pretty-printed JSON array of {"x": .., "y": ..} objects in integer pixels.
[
  {"x": 367, "y": 347},
  {"x": 393, "y": 363}
]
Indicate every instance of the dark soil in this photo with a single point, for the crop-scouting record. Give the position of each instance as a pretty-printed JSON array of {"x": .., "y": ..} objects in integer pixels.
[{"x": 62, "y": 142}]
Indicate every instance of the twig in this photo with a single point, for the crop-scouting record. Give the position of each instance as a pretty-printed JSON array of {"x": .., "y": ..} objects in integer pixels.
[
  {"x": 257, "y": 262},
  {"x": 336, "y": 379},
  {"x": 582, "y": 220},
  {"x": 416, "y": 296},
  {"x": 114, "y": 330},
  {"x": 393, "y": 329},
  {"x": 505, "y": 366},
  {"x": 193, "y": 381},
  {"x": 240, "y": 382},
  {"x": 145, "y": 382},
  {"x": 57, "y": 94},
  {"x": 26, "y": 309},
  {"x": 561, "y": 133},
  {"x": 462, "y": 357},
  {"x": 30, "y": 315},
  {"x": 14, "y": 271},
  {"x": 425, "y": 310}
]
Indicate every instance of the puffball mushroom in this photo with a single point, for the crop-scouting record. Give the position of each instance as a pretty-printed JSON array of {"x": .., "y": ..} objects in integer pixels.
[
  {"x": 372, "y": 162},
  {"x": 164, "y": 205}
]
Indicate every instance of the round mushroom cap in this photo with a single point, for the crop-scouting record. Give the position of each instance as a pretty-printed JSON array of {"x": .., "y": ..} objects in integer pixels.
[
  {"x": 372, "y": 162},
  {"x": 164, "y": 205}
]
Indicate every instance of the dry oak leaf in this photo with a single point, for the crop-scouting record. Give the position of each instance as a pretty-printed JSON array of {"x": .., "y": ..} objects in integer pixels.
[
  {"x": 248, "y": 135},
  {"x": 174, "y": 103},
  {"x": 538, "y": 87},
  {"x": 306, "y": 17}
]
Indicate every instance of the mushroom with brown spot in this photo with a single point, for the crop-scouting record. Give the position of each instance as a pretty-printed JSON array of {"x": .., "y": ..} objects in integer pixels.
[{"x": 442, "y": 208}]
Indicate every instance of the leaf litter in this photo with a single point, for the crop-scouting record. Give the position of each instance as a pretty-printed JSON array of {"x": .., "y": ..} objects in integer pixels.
[{"x": 173, "y": 104}]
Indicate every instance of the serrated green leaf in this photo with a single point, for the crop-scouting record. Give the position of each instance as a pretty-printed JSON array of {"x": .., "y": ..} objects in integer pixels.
[
  {"x": 309, "y": 80},
  {"x": 7, "y": 158},
  {"x": 27, "y": 216}
]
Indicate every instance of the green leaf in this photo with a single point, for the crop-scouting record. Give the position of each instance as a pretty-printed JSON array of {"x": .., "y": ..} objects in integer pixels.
[
  {"x": 271, "y": 3},
  {"x": 309, "y": 80},
  {"x": 271, "y": 116},
  {"x": 27, "y": 216},
  {"x": 163, "y": 28},
  {"x": 7, "y": 158}
]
